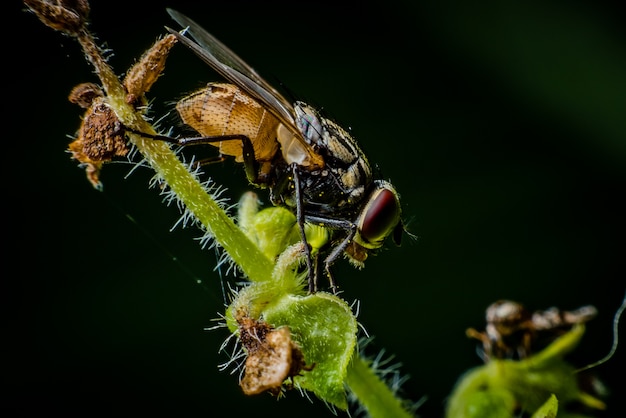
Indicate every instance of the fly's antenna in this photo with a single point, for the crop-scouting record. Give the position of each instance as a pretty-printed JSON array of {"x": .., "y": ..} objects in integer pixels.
[{"x": 611, "y": 352}]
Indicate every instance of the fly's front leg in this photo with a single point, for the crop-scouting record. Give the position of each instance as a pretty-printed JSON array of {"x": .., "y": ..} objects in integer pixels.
[
  {"x": 249, "y": 160},
  {"x": 338, "y": 249},
  {"x": 312, "y": 276}
]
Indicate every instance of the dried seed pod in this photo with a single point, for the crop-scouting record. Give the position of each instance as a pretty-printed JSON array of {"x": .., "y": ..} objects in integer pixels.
[
  {"x": 68, "y": 16},
  {"x": 101, "y": 135},
  {"x": 272, "y": 357},
  {"x": 140, "y": 78},
  {"x": 514, "y": 332}
]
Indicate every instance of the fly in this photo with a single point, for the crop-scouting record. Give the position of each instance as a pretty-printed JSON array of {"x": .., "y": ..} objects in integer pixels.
[{"x": 310, "y": 165}]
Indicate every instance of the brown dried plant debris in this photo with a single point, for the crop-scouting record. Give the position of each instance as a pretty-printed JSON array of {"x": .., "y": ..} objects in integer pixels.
[
  {"x": 140, "y": 78},
  {"x": 512, "y": 331},
  {"x": 272, "y": 357},
  {"x": 67, "y": 16},
  {"x": 101, "y": 135}
]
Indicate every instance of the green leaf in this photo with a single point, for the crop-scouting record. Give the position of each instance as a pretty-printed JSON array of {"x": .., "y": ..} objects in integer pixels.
[
  {"x": 548, "y": 409},
  {"x": 325, "y": 328},
  {"x": 273, "y": 229},
  {"x": 475, "y": 395}
]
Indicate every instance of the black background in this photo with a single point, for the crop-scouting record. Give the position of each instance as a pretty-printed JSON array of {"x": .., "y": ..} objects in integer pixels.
[{"x": 502, "y": 125}]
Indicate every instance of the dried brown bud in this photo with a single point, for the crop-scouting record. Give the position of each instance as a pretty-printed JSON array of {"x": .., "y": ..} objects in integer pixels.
[
  {"x": 85, "y": 94},
  {"x": 145, "y": 72},
  {"x": 514, "y": 332},
  {"x": 68, "y": 16},
  {"x": 272, "y": 357},
  {"x": 101, "y": 136}
]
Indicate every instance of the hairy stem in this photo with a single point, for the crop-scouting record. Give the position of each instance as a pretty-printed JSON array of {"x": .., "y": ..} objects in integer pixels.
[{"x": 372, "y": 392}]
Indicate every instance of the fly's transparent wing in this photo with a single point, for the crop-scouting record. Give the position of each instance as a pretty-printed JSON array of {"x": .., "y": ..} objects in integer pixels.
[{"x": 230, "y": 66}]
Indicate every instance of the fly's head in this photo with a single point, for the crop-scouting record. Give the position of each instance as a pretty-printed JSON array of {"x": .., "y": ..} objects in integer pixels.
[{"x": 380, "y": 217}]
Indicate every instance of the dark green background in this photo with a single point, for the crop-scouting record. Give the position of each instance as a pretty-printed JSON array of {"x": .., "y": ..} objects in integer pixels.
[{"x": 502, "y": 125}]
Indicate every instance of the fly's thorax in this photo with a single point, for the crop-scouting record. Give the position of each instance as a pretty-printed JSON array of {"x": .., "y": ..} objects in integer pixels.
[
  {"x": 309, "y": 123},
  {"x": 347, "y": 167},
  {"x": 326, "y": 136}
]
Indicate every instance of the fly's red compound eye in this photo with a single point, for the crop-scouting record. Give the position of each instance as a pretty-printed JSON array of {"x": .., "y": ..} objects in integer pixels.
[{"x": 379, "y": 218}]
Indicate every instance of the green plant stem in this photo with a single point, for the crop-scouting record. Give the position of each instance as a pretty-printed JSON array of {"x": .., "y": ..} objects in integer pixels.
[
  {"x": 187, "y": 188},
  {"x": 372, "y": 392}
]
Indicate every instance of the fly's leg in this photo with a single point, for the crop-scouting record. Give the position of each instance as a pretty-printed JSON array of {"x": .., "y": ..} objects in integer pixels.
[
  {"x": 335, "y": 254},
  {"x": 249, "y": 160},
  {"x": 338, "y": 249},
  {"x": 312, "y": 276}
]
